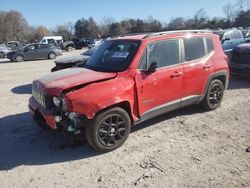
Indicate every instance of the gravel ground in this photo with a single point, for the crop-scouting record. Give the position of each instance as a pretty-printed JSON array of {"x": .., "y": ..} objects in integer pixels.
[{"x": 186, "y": 148}]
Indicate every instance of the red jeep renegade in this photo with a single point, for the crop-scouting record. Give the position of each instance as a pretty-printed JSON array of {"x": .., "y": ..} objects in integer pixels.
[{"x": 131, "y": 79}]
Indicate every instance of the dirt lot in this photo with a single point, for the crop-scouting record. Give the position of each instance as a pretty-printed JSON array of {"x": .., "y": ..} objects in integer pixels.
[{"x": 186, "y": 148}]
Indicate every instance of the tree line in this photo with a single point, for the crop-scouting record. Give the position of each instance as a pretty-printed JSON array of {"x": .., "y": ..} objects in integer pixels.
[{"x": 13, "y": 25}]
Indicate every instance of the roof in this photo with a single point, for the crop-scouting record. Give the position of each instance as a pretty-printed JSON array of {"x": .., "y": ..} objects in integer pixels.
[{"x": 141, "y": 36}]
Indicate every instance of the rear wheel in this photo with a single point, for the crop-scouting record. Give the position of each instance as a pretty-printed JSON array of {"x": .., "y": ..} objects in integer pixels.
[
  {"x": 109, "y": 130},
  {"x": 19, "y": 58},
  {"x": 52, "y": 55},
  {"x": 214, "y": 95},
  {"x": 70, "y": 49}
]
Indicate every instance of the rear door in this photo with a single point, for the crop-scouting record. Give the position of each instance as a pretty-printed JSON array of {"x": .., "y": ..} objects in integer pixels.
[
  {"x": 43, "y": 51},
  {"x": 197, "y": 67},
  {"x": 29, "y": 52}
]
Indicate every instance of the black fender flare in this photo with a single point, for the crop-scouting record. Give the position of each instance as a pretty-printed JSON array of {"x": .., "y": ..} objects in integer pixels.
[{"x": 213, "y": 76}]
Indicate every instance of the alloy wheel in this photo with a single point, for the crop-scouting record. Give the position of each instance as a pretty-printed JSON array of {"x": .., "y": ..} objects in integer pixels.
[{"x": 112, "y": 130}]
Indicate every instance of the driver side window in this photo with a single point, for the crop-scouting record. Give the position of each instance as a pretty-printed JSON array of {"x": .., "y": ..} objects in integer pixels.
[{"x": 165, "y": 53}]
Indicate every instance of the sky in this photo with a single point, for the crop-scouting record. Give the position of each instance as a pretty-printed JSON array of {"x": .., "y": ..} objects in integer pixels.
[{"x": 51, "y": 13}]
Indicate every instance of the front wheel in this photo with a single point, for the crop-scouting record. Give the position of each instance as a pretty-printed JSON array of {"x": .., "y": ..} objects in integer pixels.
[
  {"x": 214, "y": 95},
  {"x": 19, "y": 58},
  {"x": 52, "y": 55},
  {"x": 109, "y": 130}
]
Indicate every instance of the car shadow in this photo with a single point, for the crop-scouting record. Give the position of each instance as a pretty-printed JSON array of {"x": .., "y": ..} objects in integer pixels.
[
  {"x": 238, "y": 82},
  {"x": 194, "y": 109},
  {"x": 24, "y": 143},
  {"x": 23, "y": 89}
]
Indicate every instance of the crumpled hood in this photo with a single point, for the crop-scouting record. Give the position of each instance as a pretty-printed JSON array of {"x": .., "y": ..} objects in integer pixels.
[
  {"x": 75, "y": 59},
  {"x": 55, "y": 83}
]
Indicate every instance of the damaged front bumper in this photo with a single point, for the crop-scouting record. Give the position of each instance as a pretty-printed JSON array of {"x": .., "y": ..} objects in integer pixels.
[
  {"x": 41, "y": 114},
  {"x": 69, "y": 121}
]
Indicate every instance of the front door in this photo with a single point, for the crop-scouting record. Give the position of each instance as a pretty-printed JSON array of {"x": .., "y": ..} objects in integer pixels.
[{"x": 160, "y": 91}]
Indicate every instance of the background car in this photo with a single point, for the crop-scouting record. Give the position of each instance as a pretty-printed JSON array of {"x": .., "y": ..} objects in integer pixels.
[
  {"x": 59, "y": 42},
  {"x": 231, "y": 39},
  {"x": 240, "y": 60},
  {"x": 4, "y": 50},
  {"x": 34, "y": 51},
  {"x": 76, "y": 61},
  {"x": 85, "y": 43}
]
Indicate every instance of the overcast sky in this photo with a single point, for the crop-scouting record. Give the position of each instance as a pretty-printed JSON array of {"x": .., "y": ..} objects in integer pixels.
[{"x": 54, "y": 12}]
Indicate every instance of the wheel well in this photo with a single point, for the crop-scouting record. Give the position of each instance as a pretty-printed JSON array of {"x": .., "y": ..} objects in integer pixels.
[
  {"x": 124, "y": 105},
  {"x": 222, "y": 78}
]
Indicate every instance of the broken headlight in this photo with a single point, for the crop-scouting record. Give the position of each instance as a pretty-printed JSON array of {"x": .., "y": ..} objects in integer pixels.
[{"x": 57, "y": 102}]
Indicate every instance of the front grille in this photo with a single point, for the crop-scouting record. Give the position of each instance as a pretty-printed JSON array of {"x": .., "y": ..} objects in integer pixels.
[
  {"x": 39, "y": 97},
  {"x": 46, "y": 101}
]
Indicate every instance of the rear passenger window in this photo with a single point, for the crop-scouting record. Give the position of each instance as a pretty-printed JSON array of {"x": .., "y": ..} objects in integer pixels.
[
  {"x": 210, "y": 46},
  {"x": 166, "y": 53},
  {"x": 194, "y": 48}
]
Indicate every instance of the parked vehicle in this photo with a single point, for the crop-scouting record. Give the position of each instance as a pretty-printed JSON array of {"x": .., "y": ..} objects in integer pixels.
[
  {"x": 77, "y": 61},
  {"x": 58, "y": 41},
  {"x": 3, "y": 51},
  {"x": 231, "y": 39},
  {"x": 13, "y": 44},
  {"x": 96, "y": 43},
  {"x": 83, "y": 43},
  {"x": 240, "y": 60},
  {"x": 131, "y": 79},
  {"x": 247, "y": 36},
  {"x": 34, "y": 51}
]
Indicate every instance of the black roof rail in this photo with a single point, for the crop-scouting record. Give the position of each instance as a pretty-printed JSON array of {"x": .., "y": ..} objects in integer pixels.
[
  {"x": 174, "y": 32},
  {"x": 131, "y": 34}
]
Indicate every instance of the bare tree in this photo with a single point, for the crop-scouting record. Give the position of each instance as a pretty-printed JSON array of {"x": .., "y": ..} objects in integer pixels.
[
  {"x": 177, "y": 23},
  {"x": 241, "y": 5},
  {"x": 13, "y": 26},
  {"x": 105, "y": 25},
  {"x": 200, "y": 18},
  {"x": 229, "y": 12},
  {"x": 70, "y": 28}
]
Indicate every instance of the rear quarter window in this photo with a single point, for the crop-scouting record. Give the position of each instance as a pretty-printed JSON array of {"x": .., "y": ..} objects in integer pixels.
[
  {"x": 194, "y": 48},
  {"x": 210, "y": 46}
]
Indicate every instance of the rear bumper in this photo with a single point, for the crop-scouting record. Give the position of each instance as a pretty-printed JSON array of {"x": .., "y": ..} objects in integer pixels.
[{"x": 38, "y": 112}]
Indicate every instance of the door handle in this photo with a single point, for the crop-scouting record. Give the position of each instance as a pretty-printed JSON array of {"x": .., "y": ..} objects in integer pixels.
[
  {"x": 207, "y": 66},
  {"x": 176, "y": 74}
]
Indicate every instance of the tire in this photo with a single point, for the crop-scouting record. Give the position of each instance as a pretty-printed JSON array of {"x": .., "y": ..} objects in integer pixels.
[
  {"x": 19, "y": 58},
  {"x": 70, "y": 49},
  {"x": 41, "y": 123},
  {"x": 109, "y": 130},
  {"x": 214, "y": 95},
  {"x": 54, "y": 69},
  {"x": 52, "y": 55}
]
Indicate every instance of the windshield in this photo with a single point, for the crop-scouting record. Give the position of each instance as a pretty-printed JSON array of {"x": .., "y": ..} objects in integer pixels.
[
  {"x": 91, "y": 51},
  {"x": 113, "y": 56},
  {"x": 24, "y": 47}
]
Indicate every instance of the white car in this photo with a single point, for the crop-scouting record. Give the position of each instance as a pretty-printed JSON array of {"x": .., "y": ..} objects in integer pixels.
[
  {"x": 231, "y": 39},
  {"x": 51, "y": 39}
]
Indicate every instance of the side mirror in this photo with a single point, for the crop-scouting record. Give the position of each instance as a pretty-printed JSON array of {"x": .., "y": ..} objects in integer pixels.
[{"x": 153, "y": 67}]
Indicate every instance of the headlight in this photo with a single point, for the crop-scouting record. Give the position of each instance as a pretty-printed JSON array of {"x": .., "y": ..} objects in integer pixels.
[{"x": 57, "y": 101}]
